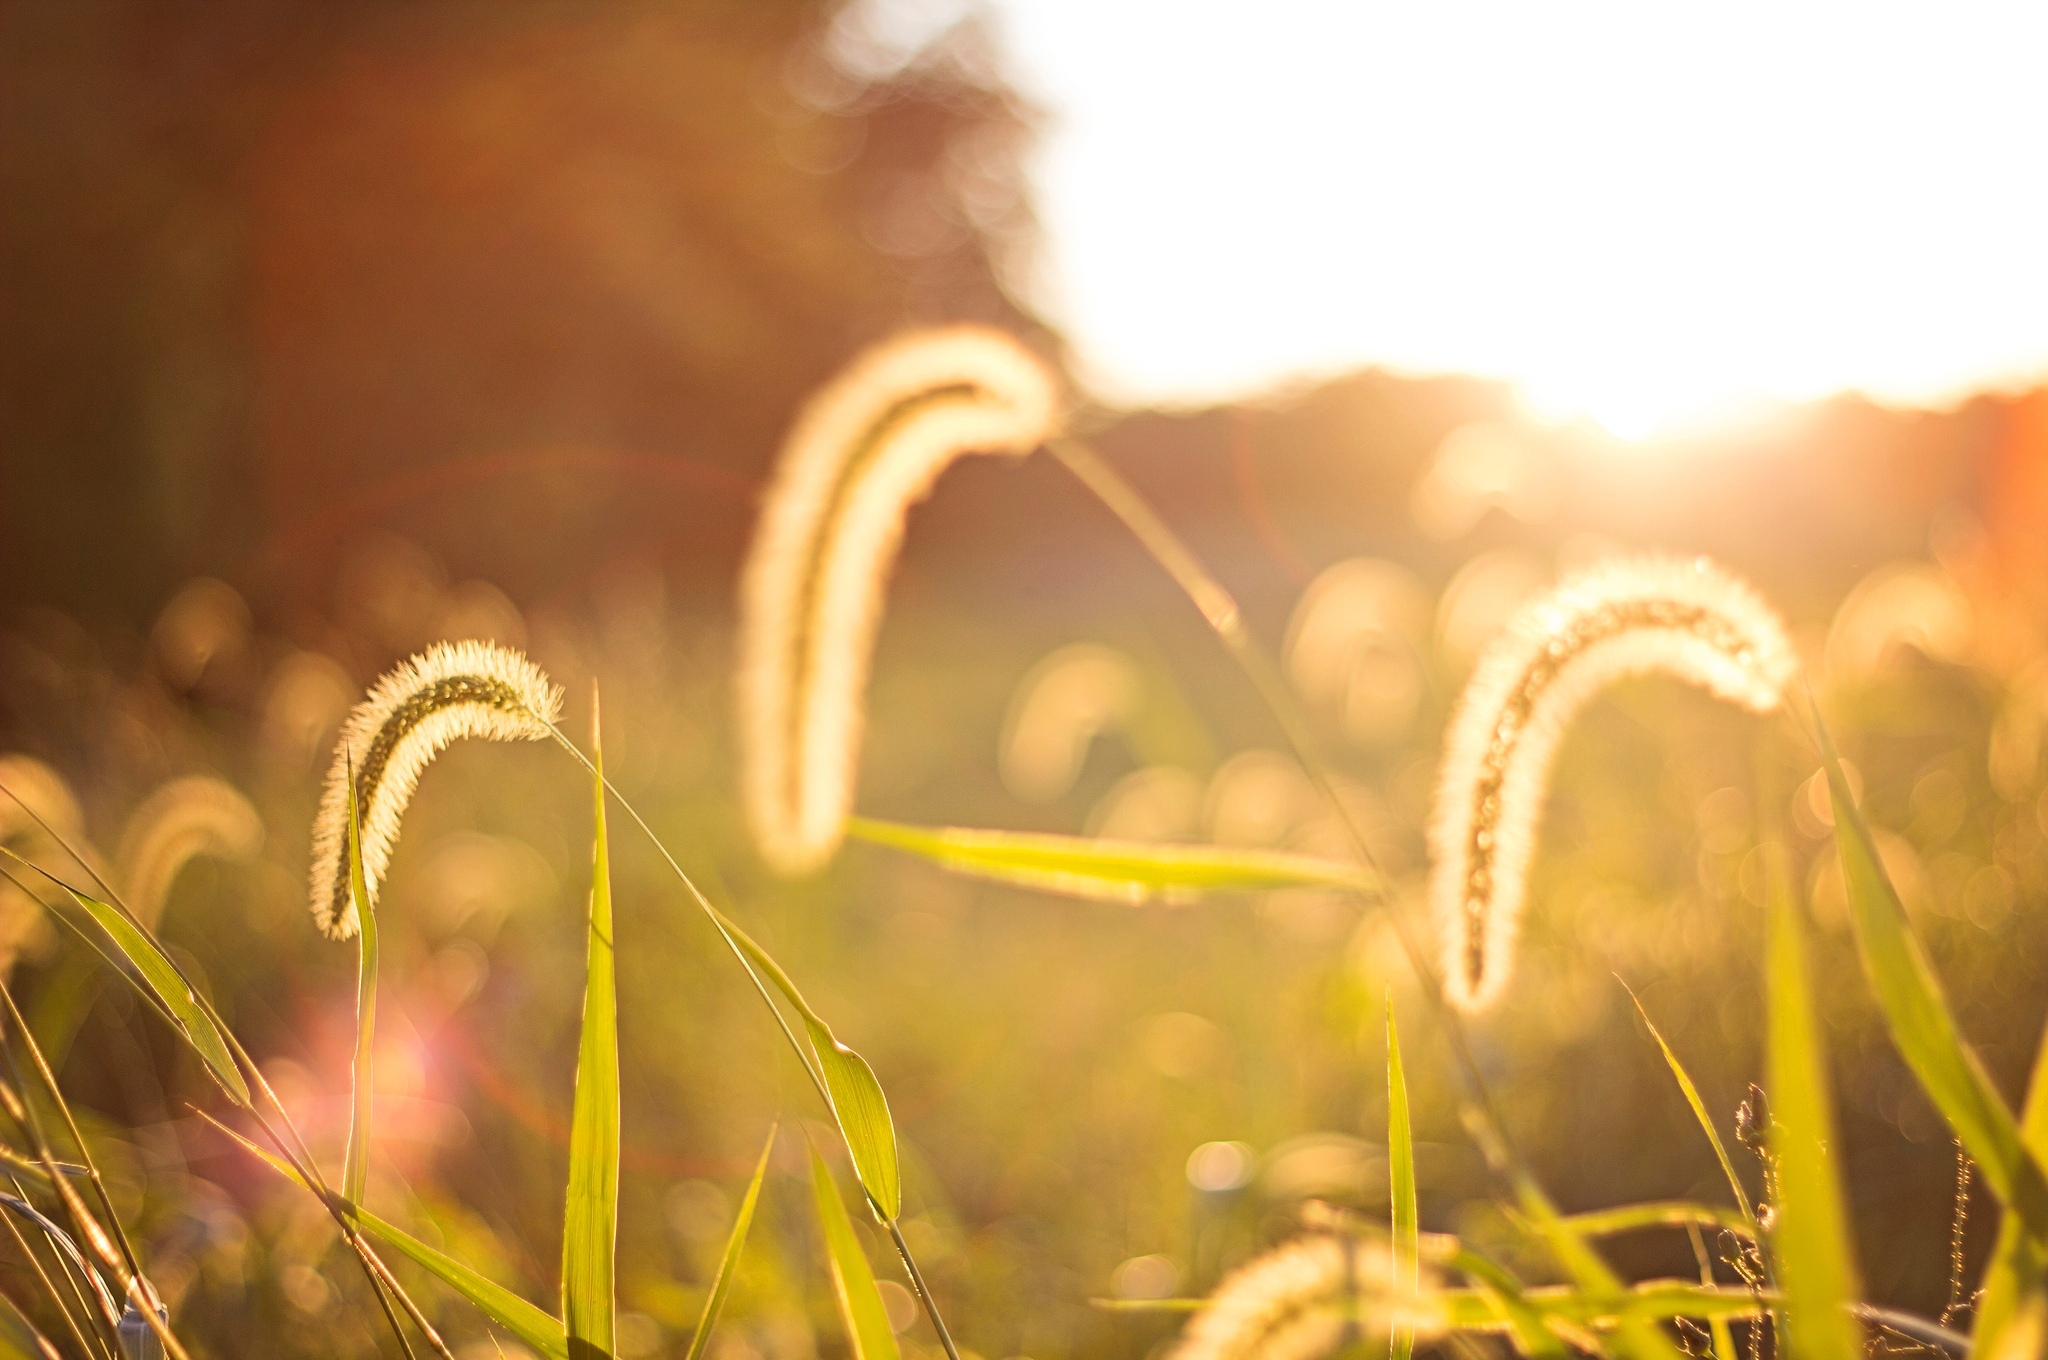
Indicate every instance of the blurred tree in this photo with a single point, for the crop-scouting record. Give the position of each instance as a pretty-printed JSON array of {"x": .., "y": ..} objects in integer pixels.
[{"x": 532, "y": 284}]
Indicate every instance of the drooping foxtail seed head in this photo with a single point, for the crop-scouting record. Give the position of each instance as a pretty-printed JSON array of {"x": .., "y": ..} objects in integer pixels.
[
  {"x": 449, "y": 691},
  {"x": 1685, "y": 618},
  {"x": 1303, "y": 1299},
  {"x": 862, "y": 451},
  {"x": 186, "y": 818}
]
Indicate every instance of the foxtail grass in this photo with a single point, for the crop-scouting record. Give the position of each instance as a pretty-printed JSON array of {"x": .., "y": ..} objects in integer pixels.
[
  {"x": 869, "y": 445},
  {"x": 184, "y": 819},
  {"x": 450, "y": 691},
  {"x": 1688, "y": 619}
]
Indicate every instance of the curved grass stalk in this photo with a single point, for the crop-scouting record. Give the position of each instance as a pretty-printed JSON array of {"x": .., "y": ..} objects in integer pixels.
[
  {"x": 186, "y": 818},
  {"x": 1481, "y": 1117},
  {"x": 450, "y": 691},
  {"x": 1687, "y": 619},
  {"x": 861, "y": 452}
]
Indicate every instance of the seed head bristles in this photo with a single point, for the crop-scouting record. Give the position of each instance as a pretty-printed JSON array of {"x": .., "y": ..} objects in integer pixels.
[
  {"x": 1305, "y": 1298},
  {"x": 451, "y": 690},
  {"x": 862, "y": 451},
  {"x": 196, "y": 815},
  {"x": 1689, "y": 619}
]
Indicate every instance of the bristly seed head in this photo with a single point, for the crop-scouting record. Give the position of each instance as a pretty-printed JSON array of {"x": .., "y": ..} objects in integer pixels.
[
  {"x": 869, "y": 445},
  {"x": 1689, "y": 619},
  {"x": 449, "y": 691},
  {"x": 1314, "y": 1296},
  {"x": 188, "y": 817}
]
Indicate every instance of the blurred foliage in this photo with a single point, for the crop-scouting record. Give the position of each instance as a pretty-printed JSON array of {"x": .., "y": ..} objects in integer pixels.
[
  {"x": 402, "y": 322},
  {"x": 1053, "y": 1064}
]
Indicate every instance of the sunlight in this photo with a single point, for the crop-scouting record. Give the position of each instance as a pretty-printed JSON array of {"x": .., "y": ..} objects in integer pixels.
[{"x": 1640, "y": 214}]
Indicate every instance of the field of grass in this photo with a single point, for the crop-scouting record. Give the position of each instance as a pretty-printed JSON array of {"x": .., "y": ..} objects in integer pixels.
[{"x": 631, "y": 1101}]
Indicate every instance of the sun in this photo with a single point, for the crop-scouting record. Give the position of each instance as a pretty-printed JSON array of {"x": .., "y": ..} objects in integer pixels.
[{"x": 1649, "y": 215}]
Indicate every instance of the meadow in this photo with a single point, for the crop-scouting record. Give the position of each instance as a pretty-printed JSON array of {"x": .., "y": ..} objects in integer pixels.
[{"x": 1145, "y": 981}]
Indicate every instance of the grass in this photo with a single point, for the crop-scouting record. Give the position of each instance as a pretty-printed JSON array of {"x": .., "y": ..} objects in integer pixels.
[{"x": 1508, "y": 1265}]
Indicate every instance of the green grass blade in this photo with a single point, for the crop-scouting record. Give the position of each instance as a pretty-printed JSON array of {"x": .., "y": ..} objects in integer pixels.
[
  {"x": 1474, "y": 1310},
  {"x": 734, "y": 1245},
  {"x": 1407, "y": 1247},
  {"x": 1699, "y": 1112},
  {"x": 355, "y": 1171},
  {"x": 1634, "y": 1336},
  {"x": 1503, "y": 1294},
  {"x": 2018, "y": 1266},
  {"x": 1639, "y": 1305},
  {"x": 1107, "y": 870},
  {"x": 1810, "y": 1242},
  {"x": 590, "y": 1219},
  {"x": 858, "y": 1105},
  {"x": 1660, "y": 1214},
  {"x": 526, "y": 1321},
  {"x": 853, "y": 1280},
  {"x": 171, "y": 991},
  {"x": 1922, "y": 1026}
]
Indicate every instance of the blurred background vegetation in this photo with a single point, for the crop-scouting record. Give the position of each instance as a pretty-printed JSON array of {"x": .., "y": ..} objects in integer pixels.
[{"x": 332, "y": 330}]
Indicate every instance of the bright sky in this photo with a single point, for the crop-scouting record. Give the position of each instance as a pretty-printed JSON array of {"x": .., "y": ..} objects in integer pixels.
[{"x": 1643, "y": 211}]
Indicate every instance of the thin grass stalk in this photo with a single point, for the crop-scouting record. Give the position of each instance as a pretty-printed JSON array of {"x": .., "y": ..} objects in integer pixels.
[
  {"x": 49, "y": 1286},
  {"x": 301, "y": 1159},
  {"x": 726, "y": 930},
  {"x": 135, "y": 1286},
  {"x": 1482, "y": 1116},
  {"x": 32, "y": 1125},
  {"x": 1219, "y": 609},
  {"x": 92, "y": 1171}
]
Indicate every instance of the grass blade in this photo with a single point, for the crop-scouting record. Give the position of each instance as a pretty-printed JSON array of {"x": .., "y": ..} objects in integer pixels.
[
  {"x": 858, "y": 1105},
  {"x": 355, "y": 1171},
  {"x": 1922, "y": 1026},
  {"x": 1407, "y": 1245},
  {"x": 1503, "y": 1293},
  {"x": 171, "y": 990},
  {"x": 1660, "y": 1214},
  {"x": 1132, "y": 872},
  {"x": 1473, "y": 1310},
  {"x": 1699, "y": 1112},
  {"x": 2015, "y": 1275},
  {"x": 734, "y": 1245},
  {"x": 1634, "y": 1335},
  {"x": 1811, "y": 1241},
  {"x": 526, "y": 1321},
  {"x": 853, "y": 1280},
  {"x": 590, "y": 1220}
]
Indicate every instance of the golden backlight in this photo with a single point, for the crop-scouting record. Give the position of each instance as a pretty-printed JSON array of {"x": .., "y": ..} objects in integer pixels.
[{"x": 1649, "y": 213}]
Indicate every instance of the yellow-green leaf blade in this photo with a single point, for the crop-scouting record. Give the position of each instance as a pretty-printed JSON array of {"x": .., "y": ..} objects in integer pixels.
[
  {"x": 851, "y": 1089},
  {"x": 853, "y": 1280},
  {"x": 1407, "y": 1247},
  {"x": 1502, "y": 1295},
  {"x": 1659, "y": 1214},
  {"x": 734, "y": 1245},
  {"x": 1634, "y": 1337},
  {"x": 355, "y": 1171},
  {"x": 862, "y": 1112},
  {"x": 2018, "y": 1266},
  {"x": 1810, "y": 1242},
  {"x": 1699, "y": 1112},
  {"x": 590, "y": 1218},
  {"x": 1922, "y": 1026},
  {"x": 526, "y": 1321},
  {"x": 164, "y": 979},
  {"x": 1110, "y": 870}
]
